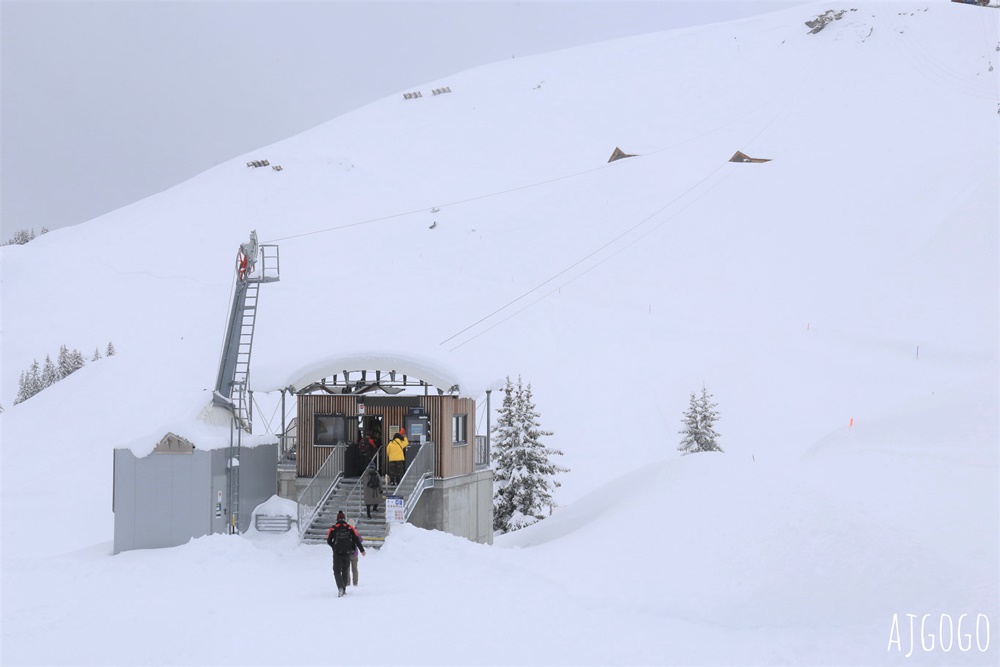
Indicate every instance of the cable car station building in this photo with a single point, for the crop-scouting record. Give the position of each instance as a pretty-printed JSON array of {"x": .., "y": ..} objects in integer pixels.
[
  {"x": 193, "y": 483},
  {"x": 447, "y": 485}
]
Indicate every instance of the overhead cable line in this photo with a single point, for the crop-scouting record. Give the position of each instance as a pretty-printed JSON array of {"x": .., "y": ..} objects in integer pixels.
[
  {"x": 784, "y": 107},
  {"x": 585, "y": 258},
  {"x": 596, "y": 264},
  {"x": 517, "y": 188},
  {"x": 453, "y": 203}
]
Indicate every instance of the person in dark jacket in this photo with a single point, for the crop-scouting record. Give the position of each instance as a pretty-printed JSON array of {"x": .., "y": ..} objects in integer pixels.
[
  {"x": 343, "y": 539},
  {"x": 366, "y": 449},
  {"x": 374, "y": 488}
]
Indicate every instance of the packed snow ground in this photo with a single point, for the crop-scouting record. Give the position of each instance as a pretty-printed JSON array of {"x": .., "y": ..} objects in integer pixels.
[{"x": 840, "y": 302}]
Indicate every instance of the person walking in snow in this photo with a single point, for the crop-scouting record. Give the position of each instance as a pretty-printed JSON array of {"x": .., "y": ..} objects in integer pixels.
[
  {"x": 354, "y": 555},
  {"x": 343, "y": 539},
  {"x": 397, "y": 459},
  {"x": 373, "y": 487}
]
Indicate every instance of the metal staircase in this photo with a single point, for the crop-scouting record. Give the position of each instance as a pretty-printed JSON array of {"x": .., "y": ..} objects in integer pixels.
[
  {"x": 254, "y": 265},
  {"x": 233, "y": 379},
  {"x": 240, "y": 345},
  {"x": 347, "y": 494}
]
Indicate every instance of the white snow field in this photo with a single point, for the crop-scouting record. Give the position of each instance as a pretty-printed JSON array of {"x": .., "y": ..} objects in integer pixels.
[{"x": 840, "y": 302}]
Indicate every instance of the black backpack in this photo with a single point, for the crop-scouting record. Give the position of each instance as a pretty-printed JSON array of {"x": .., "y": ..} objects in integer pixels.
[
  {"x": 343, "y": 542},
  {"x": 373, "y": 479}
]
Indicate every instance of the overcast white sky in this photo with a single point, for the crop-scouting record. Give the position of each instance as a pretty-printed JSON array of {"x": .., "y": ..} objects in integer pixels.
[{"x": 105, "y": 103}]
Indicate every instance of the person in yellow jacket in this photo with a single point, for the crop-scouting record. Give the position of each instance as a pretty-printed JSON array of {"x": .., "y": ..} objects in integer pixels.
[{"x": 397, "y": 458}]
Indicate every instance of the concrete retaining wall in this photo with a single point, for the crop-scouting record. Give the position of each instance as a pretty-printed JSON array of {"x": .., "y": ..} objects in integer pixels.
[{"x": 460, "y": 505}]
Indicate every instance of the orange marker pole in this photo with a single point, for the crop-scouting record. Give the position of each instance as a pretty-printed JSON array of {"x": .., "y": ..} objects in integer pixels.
[{"x": 851, "y": 424}]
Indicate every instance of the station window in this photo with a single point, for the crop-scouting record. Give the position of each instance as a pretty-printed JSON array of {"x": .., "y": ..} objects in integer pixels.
[
  {"x": 329, "y": 430},
  {"x": 459, "y": 424}
]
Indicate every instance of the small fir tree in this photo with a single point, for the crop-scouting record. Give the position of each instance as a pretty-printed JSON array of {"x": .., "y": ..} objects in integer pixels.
[
  {"x": 699, "y": 425},
  {"x": 111, "y": 349},
  {"x": 76, "y": 361},
  {"x": 50, "y": 375},
  {"x": 22, "y": 236},
  {"x": 22, "y": 389},
  {"x": 70, "y": 361},
  {"x": 97, "y": 355},
  {"x": 524, "y": 475},
  {"x": 32, "y": 380},
  {"x": 64, "y": 362}
]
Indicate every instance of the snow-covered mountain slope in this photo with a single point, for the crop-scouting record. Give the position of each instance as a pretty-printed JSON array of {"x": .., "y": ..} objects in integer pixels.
[{"x": 853, "y": 279}]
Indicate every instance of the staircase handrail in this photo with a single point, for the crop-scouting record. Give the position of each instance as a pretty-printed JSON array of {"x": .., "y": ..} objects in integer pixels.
[
  {"x": 419, "y": 475},
  {"x": 357, "y": 484},
  {"x": 268, "y": 265},
  {"x": 315, "y": 494},
  {"x": 284, "y": 448},
  {"x": 425, "y": 482}
]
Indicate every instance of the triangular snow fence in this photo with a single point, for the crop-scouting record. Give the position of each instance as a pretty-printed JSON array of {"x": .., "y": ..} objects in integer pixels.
[
  {"x": 739, "y": 156},
  {"x": 618, "y": 155}
]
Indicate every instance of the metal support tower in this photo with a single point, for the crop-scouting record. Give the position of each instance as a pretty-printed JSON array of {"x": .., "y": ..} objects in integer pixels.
[{"x": 254, "y": 265}]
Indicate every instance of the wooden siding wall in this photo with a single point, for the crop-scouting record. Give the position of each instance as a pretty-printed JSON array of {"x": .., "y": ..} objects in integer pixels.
[
  {"x": 436, "y": 409},
  {"x": 454, "y": 460},
  {"x": 392, "y": 416},
  {"x": 450, "y": 460},
  {"x": 308, "y": 458}
]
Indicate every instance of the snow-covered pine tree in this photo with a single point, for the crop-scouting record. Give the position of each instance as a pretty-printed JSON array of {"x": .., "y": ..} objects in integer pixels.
[
  {"x": 70, "y": 361},
  {"x": 111, "y": 349},
  {"x": 524, "y": 475},
  {"x": 50, "y": 375},
  {"x": 21, "y": 237},
  {"x": 63, "y": 361},
  {"x": 22, "y": 389},
  {"x": 505, "y": 441},
  {"x": 76, "y": 360},
  {"x": 33, "y": 380},
  {"x": 97, "y": 355},
  {"x": 699, "y": 425}
]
